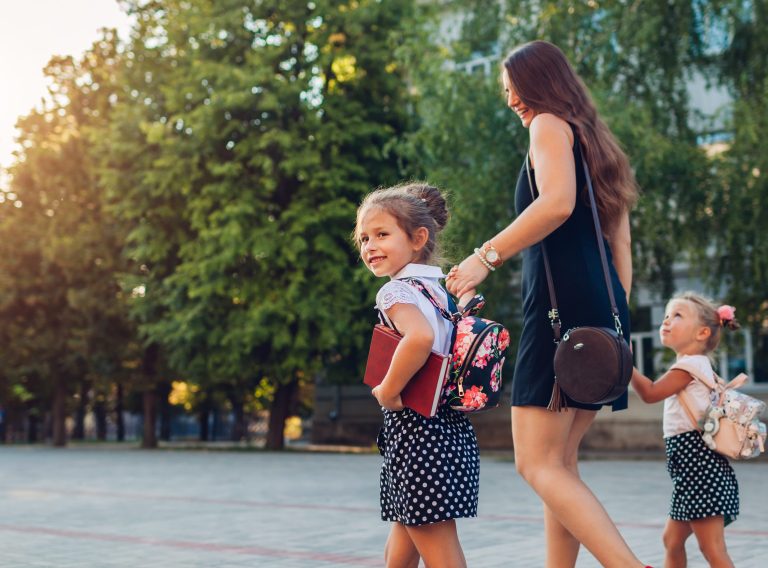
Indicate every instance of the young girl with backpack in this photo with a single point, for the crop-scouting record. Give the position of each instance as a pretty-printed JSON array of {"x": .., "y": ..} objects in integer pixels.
[
  {"x": 705, "y": 494},
  {"x": 431, "y": 469}
]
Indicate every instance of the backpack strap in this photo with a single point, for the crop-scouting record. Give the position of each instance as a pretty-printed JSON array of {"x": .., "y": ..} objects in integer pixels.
[
  {"x": 384, "y": 320},
  {"x": 687, "y": 405},
  {"x": 419, "y": 285},
  {"x": 685, "y": 400},
  {"x": 472, "y": 307},
  {"x": 453, "y": 316}
]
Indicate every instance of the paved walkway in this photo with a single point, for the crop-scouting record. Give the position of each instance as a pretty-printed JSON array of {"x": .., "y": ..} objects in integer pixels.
[{"x": 130, "y": 508}]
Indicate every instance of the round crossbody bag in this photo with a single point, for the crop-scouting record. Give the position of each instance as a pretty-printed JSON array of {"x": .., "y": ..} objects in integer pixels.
[{"x": 592, "y": 365}]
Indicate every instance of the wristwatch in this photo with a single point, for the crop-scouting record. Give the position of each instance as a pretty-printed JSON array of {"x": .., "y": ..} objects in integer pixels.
[{"x": 491, "y": 255}]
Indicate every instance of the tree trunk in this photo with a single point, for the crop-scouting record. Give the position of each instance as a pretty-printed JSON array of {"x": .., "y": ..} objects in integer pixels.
[
  {"x": 164, "y": 389},
  {"x": 4, "y": 428},
  {"x": 240, "y": 426},
  {"x": 149, "y": 439},
  {"x": 215, "y": 424},
  {"x": 149, "y": 372},
  {"x": 78, "y": 433},
  {"x": 100, "y": 416},
  {"x": 204, "y": 415},
  {"x": 281, "y": 406},
  {"x": 33, "y": 424},
  {"x": 59, "y": 414},
  {"x": 119, "y": 421}
]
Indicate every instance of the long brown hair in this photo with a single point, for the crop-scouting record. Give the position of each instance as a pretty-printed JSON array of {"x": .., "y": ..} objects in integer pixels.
[{"x": 545, "y": 82}]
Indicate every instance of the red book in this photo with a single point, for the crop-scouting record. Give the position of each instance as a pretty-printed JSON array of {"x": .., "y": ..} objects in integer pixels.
[{"x": 422, "y": 393}]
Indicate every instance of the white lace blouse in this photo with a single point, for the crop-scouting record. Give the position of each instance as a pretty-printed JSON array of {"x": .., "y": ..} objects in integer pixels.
[{"x": 398, "y": 292}]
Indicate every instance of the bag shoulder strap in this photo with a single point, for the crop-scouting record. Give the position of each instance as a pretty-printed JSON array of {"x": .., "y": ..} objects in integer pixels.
[
  {"x": 419, "y": 285},
  {"x": 384, "y": 320},
  {"x": 554, "y": 315},
  {"x": 454, "y": 316},
  {"x": 687, "y": 405}
]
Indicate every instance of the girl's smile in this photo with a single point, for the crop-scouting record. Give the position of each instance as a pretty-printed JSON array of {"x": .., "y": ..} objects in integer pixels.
[{"x": 384, "y": 246}]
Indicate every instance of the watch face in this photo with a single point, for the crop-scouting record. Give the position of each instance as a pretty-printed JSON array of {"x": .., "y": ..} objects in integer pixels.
[{"x": 492, "y": 256}]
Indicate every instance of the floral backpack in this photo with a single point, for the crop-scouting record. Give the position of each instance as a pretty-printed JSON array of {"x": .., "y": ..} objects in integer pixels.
[
  {"x": 731, "y": 425},
  {"x": 477, "y": 355}
]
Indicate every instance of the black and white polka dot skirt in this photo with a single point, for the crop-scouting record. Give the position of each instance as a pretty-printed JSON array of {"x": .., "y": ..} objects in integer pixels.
[
  {"x": 704, "y": 482},
  {"x": 431, "y": 469}
]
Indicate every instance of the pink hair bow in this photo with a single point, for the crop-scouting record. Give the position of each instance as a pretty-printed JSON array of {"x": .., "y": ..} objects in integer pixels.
[{"x": 726, "y": 313}]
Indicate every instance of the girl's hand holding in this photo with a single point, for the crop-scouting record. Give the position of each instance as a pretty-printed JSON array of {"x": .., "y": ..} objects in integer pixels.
[
  {"x": 465, "y": 299},
  {"x": 387, "y": 401},
  {"x": 467, "y": 276}
]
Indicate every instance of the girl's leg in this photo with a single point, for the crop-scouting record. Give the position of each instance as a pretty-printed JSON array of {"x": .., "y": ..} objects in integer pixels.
[
  {"x": 562, "y": 546},
  {"x": 710, "y": 533},
  {"x": 675, "y": 535},
  {"x": 400, "y": 552},
  {"x": 438, "y": 544},
  {"x": 540, "y": 440}
]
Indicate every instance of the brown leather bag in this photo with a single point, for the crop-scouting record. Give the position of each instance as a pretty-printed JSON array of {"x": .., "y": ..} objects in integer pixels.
[{"x": 593, "y": 365}]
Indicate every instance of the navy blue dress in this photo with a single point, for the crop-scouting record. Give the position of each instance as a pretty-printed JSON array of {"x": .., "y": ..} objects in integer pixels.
[{"x": 582, "y": 297}]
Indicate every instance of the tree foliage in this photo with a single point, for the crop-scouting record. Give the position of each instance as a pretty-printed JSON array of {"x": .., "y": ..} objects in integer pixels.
[
  {"x": 64, "y": 315},
  {"x": 266, "y": 125},
  {"x": 182, "y": 204}
]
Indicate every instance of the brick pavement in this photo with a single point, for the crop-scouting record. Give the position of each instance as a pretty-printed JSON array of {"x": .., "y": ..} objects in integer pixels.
[{"x": 126, "y": 508}]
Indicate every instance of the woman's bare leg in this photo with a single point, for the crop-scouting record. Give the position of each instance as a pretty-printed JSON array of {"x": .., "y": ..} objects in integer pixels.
[
  {"x": 562, "y": 546},
  {"x": 400, "y": 552},
  {"x": 541, "y": 442},
  {"x": 438, "y": 544}
]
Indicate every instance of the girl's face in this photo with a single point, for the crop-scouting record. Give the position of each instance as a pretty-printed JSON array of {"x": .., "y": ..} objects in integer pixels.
[
  {"x": 513, "y": 101},
  {"x": 682, "y": 330},
  {"x": 384, "y": 247}
]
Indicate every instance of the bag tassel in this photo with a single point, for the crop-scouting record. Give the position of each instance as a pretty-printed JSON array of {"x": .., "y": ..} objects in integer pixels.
[{"x": 557, "y": 402}]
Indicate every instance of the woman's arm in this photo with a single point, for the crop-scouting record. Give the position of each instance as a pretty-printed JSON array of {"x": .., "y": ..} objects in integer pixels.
[
  {"x": 621, "y": 249},
  {"x": 552, "y": 154},
  {"x": 671, "y": 383},
  {"x": 410, "y": 355}
]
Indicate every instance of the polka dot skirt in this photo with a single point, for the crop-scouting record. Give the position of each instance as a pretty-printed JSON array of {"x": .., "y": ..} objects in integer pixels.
[
  {"x": 431, "y": 469},
  {"x": 704, "y": 482}
]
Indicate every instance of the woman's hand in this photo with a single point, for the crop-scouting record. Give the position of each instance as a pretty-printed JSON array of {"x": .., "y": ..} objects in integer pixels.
[
  {"x": 386, "y": 400},
  {"x": 467, "y": 276}
]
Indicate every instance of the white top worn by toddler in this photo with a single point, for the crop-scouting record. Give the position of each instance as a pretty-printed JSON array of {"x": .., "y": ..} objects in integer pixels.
[
  {"x": 398, "y": 292},
  {"x": 698, "y": 391}
]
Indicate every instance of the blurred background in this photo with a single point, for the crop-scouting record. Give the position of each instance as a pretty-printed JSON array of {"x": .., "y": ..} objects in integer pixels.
[{"x": 178, "y": 192}]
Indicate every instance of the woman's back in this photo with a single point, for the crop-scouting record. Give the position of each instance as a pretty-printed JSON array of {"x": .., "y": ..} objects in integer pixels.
[{"x": 580, "y": 291}]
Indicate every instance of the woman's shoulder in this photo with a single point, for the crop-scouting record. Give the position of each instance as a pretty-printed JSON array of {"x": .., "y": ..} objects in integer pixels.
[
  {"x": 395, "y": 292},
  {"x": 546, "y": 124}
]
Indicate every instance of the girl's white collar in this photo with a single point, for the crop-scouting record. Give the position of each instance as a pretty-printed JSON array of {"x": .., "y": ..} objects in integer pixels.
[{"x": 413, "y": 270}]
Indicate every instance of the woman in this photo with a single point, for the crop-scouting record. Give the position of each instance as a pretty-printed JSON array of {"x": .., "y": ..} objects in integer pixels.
[{"x": 553, "y": 103}]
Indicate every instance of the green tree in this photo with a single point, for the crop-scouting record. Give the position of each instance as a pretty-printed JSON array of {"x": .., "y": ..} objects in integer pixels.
[
  {"x": 260, "y": 128},
  {"x": 734, "y": 215},
  {"x": 636, "y": 58},
  {"x": 65, "y": 316}
]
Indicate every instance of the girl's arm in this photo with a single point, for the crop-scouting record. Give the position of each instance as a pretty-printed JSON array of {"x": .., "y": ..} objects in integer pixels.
[
  {"x": 552, "y": 152},
  {"x": 621, "y": 249},
  {"x": 410, "y": 355},
  {"x": 464, "y": 300},
  {"x": 672, "y": 382}
]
